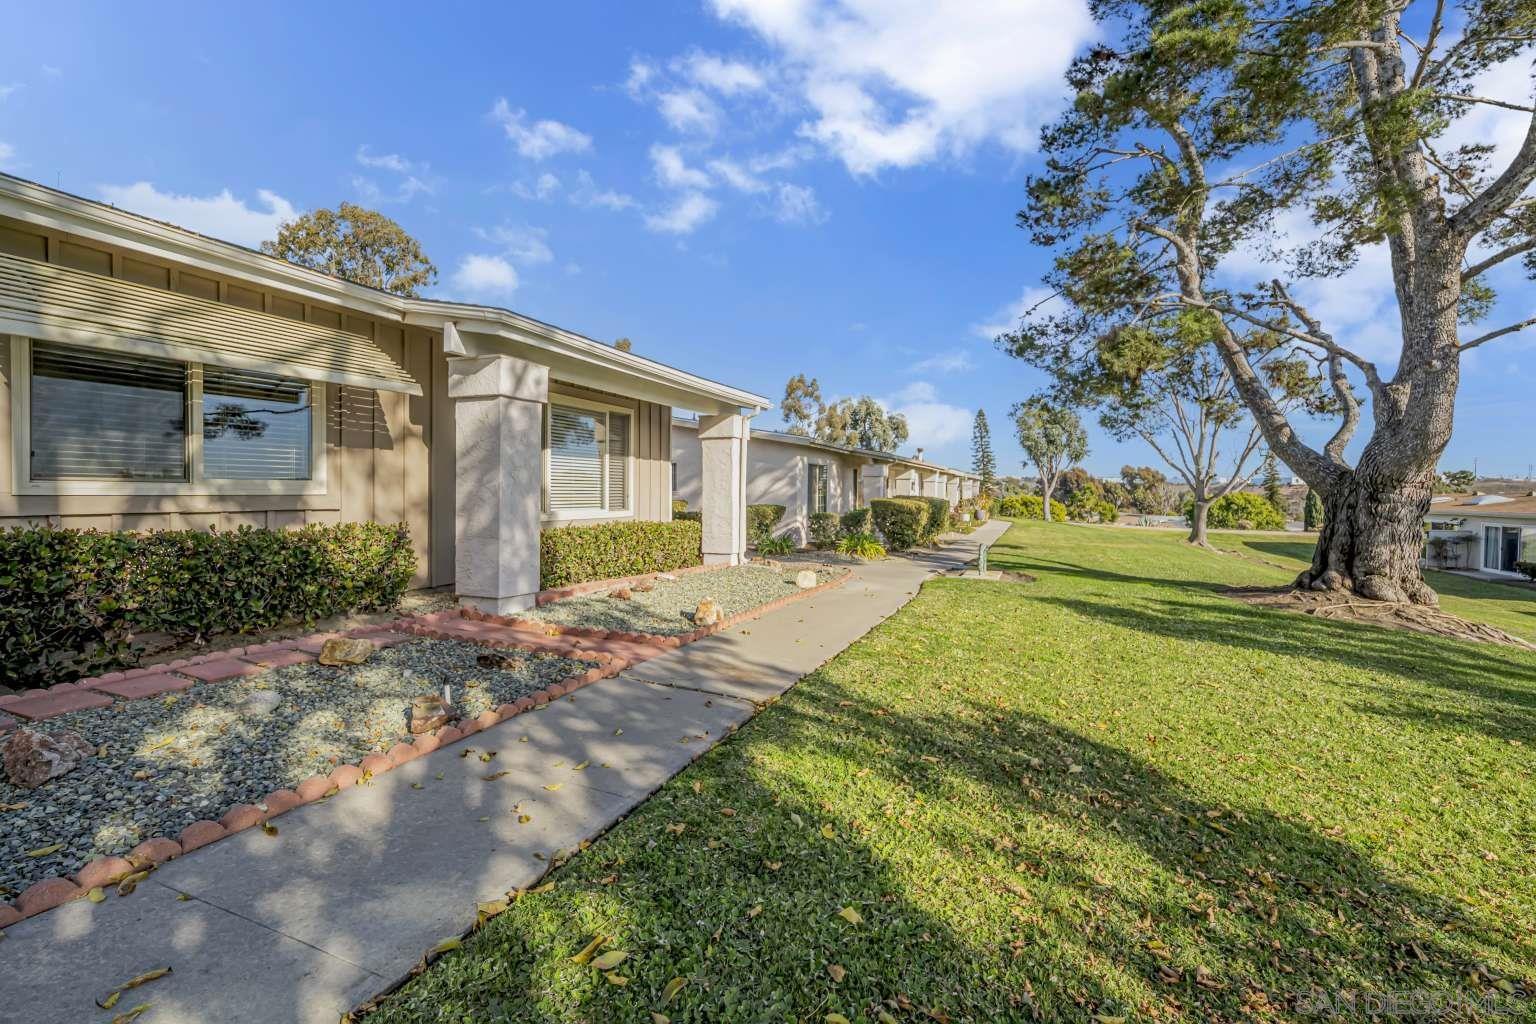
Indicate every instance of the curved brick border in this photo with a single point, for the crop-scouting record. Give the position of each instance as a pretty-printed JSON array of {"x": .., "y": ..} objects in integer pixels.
[{"x": 48, "y": 893}]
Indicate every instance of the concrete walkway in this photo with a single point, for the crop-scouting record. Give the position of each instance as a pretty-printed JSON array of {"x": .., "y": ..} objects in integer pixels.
[{"x": 302, "y": 926}]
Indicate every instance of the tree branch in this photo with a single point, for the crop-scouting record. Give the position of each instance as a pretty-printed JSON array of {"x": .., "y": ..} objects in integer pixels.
[
  {"x": 1499, "y": 257},
  {"x": 1473, "y": 218},
  {"x": 1491, "y": 335},
  {"x": 1428, "y": 50},
  {"x": 1455, "y": 98}
]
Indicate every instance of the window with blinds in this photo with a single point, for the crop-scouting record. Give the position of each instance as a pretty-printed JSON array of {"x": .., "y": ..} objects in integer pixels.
[
  {"x": 255, "y": 426},
  {"x": 104, "y": 416},
  {"x": 816, "y": 481},
  {"x": 588, "y": 460}
]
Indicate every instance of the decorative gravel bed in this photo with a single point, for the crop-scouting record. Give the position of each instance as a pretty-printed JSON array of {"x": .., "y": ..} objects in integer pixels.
[
  {"x": 172, "y": 760},
  {"x": 667, "y": 608}
]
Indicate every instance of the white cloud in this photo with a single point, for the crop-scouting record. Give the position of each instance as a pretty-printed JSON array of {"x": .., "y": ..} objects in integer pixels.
[
  {"x": 640, "y": 75},
  {"x": 220, "y": 216},
  {"x": 689, "y": 111},
  {"x": 727, "y": 77},
  {"x": 485, "y": 275},
  {"x": 1006, "y": 318},
  {"x": 412, "y": 177},
  {"x": 673, "y": 172},
  {"x": 904, "y": 82},
  {"x": 684, "y": 216},
  {"x": 521, "y": 244},
  {"x": 931, "y": 422},
  {"x": 796, "y": 204},
  {"x": 954, "y": 360},
  {"x": 588, "y": 194},
  {"x": 7, "y": 156},
  {"x": 6, "y": 91},
  {"x": 737, "y": 176},
  {"x": 541, "y": 139},
  {"x": 384, "y": 161},
  {"x": 52, "y": 71},
  {"x": 545, "y": 188}
]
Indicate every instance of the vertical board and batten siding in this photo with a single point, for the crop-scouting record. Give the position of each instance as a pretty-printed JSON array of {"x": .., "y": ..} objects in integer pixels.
[{"x": 382, "y": 462}]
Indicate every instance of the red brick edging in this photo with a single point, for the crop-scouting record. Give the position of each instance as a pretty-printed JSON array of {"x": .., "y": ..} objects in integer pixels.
[{"x": 613, "y": 652}]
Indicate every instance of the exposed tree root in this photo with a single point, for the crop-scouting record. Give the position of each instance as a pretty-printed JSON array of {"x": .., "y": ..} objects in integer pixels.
[{"x": 1341, "y": 605}]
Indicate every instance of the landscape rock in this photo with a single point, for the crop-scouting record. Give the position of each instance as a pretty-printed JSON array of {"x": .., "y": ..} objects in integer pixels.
[
  {"x": 33, "y": 758},
  {"x": 430, "y": 712},
  {"x": 805, "y": 579},
  {"x": 263, "y": 702},
  {"x": 708, "y": 613},
  {"x": 346, "y": 650}
]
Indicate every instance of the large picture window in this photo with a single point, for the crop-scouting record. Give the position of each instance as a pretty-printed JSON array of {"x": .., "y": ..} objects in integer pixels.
[
  {"x": 102, "y": 416},
  {"x": 100, "y": 421},
  {"x": 588, "y": 460}
]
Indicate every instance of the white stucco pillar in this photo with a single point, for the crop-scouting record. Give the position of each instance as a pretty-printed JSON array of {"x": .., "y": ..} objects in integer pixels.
[
  {"x": 498, "y": 417},
  {"x": 723, "y": 487},
  {"x": 874, "y": 480},
  {"x": 954, "y": 490},
  {"x": 933, "y": 485}
]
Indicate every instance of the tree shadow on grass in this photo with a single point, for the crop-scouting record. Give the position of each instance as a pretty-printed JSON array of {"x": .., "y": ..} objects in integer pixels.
[
  {"x": 1004, "y": 868},
  {"x": 1497, "y": 688}
]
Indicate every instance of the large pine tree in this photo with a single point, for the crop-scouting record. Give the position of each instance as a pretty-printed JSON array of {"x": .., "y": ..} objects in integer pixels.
[{"x": 983, "y": 463}]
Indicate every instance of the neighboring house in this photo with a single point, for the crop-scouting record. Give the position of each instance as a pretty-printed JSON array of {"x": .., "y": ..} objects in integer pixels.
[
  {"x": 151, "y": 377},
  {"x": 806, "y": 475},
  {"x": 1483, "y": 532}
]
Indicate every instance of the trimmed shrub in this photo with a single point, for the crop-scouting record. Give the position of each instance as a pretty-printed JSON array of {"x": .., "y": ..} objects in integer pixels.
[
  {"x": 71, "y": 601},
  {"x": 823, "y": 530},
  {"x": 1238, "y": 511},
  {"x": 689, "y": 517},
  {"x": 580, "y": 554},
  {"x": 1030, "y": 506},
  {"x": 679, "y": 506},
  {"x": 777, "y": 546},
  {"x": 938, "y": 517},
  {"x": 1526, "y": 569},
  {"x": 860, "y": 520},
  {"x": 901, "y": 521},
  {"x": 761, "y": 519}
]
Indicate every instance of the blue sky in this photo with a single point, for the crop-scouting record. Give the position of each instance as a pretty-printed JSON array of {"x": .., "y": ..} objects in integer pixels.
[{"x": 748, "y": 189}]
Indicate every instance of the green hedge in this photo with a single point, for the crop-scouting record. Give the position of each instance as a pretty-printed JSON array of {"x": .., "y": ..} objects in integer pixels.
[
  {"x": 1030, "y": 506},
  {"x": 689, "y": 517},
  {"x": 938, "y": 517},
  {"x": 761, "y": 519},
  {"x": 859, "y": 521},
  {"x": 71, "y": 601},
  {"x": 823, "y": 529},
  {"x": 1239, "y": 511},
  {"x": 901, "y": 521},
  {"x": 578, "y": 554}
]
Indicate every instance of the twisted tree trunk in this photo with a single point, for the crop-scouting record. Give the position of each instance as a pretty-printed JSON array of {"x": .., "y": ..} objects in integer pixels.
[{"x": 1371, "y": 541}]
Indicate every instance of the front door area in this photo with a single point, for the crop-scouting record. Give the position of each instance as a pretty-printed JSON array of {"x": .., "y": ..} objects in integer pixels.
[{"x": 1501, "y": 548}]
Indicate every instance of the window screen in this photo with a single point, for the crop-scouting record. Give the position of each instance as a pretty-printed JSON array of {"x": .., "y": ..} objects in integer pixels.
[
  {"x": 255, "y": 426},
  {"x": 816, "y": 499},
  {"x": 588, "y": 460},
  {"x": 105, "y": 416}
]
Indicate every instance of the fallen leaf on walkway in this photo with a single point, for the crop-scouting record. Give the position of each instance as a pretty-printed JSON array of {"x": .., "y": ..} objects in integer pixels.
[
  {"x": 183, "y": 897},
  {"x": 485, "y": 911},
  {"x": 552, "y": 786},
  {"x": 97, "y": 894},
  {"x": 498, "y": 775},
  {"x": 589, "y": 950},
  {"x": 111, "y": 1000},
  {"x": 484, "y": 817},
  {"x": 580, "y": 767},
  {"x": 523, "y": 819},
  {"x": 269, "y": 828},
  {"x": 486, "y": 757},
  {"x": 537, "y": 891},
  {"x": 446, "y": 946},
  {"x": 850, "y": 915},
  {"x": 618, "y": 732},
  {"x": 439, "y": 776},
  {"x": 131, "y": 882},
  {"x": 43, "y": 851},
  {"x": 673, "y": 988},
  {"x": 133, "y": 1014},
  {"x": 417, "y": 785},
  {"x": 611, "y": 959}
]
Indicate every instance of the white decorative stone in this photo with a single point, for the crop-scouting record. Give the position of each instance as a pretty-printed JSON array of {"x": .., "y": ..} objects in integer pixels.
[
  {"x": 262, "y": 702},
  {"x": 805, "y": 579}
]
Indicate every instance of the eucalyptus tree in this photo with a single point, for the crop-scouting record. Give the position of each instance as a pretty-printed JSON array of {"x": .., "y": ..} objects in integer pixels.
[
  {"x": 802, "y": 404},
  {"x": 1052, "y": 437},
  {"x": 1209, "y": 120},
  {"x": 356, "y": 244}
]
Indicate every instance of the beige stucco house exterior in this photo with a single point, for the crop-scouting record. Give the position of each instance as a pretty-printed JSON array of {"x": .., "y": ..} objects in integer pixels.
[
  {"x": 151, "y": 377},
  {"x": 806, "y": 475},
  {"x": 1481, "y": 532}
]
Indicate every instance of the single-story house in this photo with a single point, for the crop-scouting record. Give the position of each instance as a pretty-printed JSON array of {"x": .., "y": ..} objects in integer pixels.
[
  {"x": 1481, "y": 532},
  {"x": 807, "y": 475},
  {"x": 152, "y": 377}
]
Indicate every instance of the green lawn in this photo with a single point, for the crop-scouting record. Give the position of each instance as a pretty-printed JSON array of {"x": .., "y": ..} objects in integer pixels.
[
  {"x": 1512, "y": 608},
  {"x": 1110, "y": 794}
]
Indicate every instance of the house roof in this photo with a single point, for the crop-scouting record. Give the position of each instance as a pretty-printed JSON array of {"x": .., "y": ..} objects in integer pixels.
[
  {"x": 784, "y": 437},
  {"x": 50, "y": 208},
  {"x": 1480, "y": 506}
]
